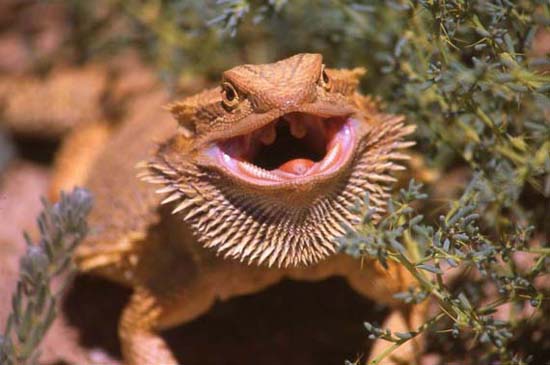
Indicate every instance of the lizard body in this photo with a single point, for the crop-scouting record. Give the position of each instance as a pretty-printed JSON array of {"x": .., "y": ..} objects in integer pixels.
[{"x": 254, "y": 186}]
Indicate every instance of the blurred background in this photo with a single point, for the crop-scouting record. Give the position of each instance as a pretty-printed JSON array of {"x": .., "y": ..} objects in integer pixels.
[{"x": 472, "y": 75}]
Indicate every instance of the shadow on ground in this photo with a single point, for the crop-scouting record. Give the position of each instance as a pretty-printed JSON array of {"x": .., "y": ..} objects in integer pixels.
[{"x": 289, "y": 323}]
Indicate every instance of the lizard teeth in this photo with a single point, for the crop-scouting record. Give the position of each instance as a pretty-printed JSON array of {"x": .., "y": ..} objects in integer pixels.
[
  {"x": 331, "y": 156},
  {"x": 257, "y": 171},
  {"x": 248, "y": 169}
]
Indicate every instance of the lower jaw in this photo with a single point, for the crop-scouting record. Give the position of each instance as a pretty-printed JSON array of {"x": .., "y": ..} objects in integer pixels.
[{"x": 298, "y": 172}]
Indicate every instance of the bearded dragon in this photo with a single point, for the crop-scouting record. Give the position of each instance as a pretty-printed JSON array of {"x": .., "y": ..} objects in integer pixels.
[{"x": 255, "y": 185}]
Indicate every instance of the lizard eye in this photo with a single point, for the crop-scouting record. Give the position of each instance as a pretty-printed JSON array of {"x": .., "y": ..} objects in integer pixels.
[
  {"x": 324, "y": 80},
  {"x": 230, "y": 98}
]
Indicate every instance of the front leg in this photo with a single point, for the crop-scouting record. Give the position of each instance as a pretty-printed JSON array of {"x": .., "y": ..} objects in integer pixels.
[
  {"x": 141, "y": 343},
  {"x": 381, "y": 285}
]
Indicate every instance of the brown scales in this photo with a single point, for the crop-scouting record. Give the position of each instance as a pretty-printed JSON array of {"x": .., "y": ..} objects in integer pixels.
[{"x": 151, "y": 237}]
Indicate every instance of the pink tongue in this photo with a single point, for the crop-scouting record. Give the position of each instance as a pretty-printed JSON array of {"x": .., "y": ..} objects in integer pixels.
[{"x": 297, "y": 166}]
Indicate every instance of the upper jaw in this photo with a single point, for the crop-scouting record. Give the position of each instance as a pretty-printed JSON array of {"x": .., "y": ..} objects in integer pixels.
[
  {"x": 253, "y": 121},
  {"x": 295, "y": 148}
]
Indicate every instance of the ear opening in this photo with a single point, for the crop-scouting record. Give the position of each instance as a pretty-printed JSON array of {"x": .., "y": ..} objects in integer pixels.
[{"x": 192, "y": 113}]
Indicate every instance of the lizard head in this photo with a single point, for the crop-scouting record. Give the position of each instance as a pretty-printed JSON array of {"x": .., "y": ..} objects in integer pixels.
[{"x": 270, "y": 165}]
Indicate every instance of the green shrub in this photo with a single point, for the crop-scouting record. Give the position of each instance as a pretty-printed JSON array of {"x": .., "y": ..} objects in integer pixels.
[{"x": 34, "y": 304}]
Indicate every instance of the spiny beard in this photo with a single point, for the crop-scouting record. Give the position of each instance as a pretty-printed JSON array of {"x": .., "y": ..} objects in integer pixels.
[{"x": 259, "y": 229}]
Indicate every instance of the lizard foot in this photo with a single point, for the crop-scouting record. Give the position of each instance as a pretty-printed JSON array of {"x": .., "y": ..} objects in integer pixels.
[{"x": 141, "y": 344}]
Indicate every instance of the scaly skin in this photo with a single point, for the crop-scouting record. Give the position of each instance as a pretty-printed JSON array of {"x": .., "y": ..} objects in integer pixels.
[{"x": 258, "y": 227}]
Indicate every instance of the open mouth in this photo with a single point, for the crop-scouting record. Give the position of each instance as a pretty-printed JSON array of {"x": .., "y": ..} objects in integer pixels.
[{"x": 293, "y": 148}]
